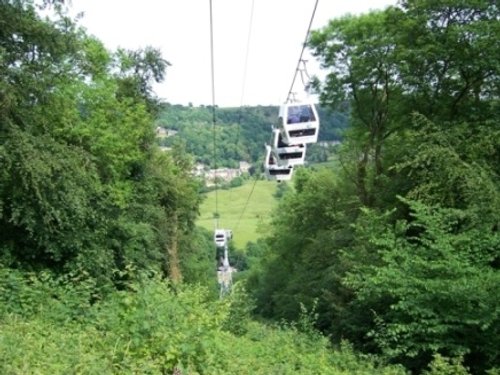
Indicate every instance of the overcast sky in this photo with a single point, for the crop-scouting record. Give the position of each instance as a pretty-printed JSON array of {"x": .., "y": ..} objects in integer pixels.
[{"x": 181, "y": 30}]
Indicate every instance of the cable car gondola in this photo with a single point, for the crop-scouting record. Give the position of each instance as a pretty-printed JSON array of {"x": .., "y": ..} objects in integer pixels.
[
  {"x": 299, "y": 123},
  {"x": 222, "y": 237},
  {"x": 273, "y": 170},
  {"x": 285, "y": 154}
]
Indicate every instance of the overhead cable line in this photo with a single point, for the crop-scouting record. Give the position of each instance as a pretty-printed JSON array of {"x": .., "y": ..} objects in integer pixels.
[
  {"x": 224, "y": 269},
  {"x": 302, "y": 52},
  {"x": 246, "y": 54},
  {"x": 246, "y": 203},
  {"x": 245, "y": 68},
  {"x": 289, "y": 96},
  {"x": 214, "y": 122},
  {"x": 243, "y": 85}
]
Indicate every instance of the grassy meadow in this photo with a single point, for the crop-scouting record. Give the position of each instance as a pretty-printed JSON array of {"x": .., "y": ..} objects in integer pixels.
[{"x": 247, "y": 225}]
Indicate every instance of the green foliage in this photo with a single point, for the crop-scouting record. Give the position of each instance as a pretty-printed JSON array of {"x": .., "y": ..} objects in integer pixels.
[
  {"x": 303, "y": 262},
  {"x": 241, "y": 133},
  {"x": 47, "y": 199},
  {"x": 43, "y": 296},
  {"x": 82, "y": 185},
  {"x": 440, "y": 289},
  {"x": 161, "y": 327},
  {"x": 235, "y": 182},
  {"x": 448, "y": 169},
  {"x": 240, "y": 307},
  {"x": 317, "y": 153},
  {"x": 281, "y": 190},
  {"x": 152, "y": 327},
  {"x": 398, "y": 239},
  {"x": 198, "y": 258},
  {"x": 137, "y": 71},
  {"x": 444, "y": 366},
  {"x": 450, "y": 66}
]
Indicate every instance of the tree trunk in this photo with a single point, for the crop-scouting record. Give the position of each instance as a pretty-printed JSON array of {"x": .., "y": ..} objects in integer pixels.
[
  {"x": 361, "y": 178},
  {"x": 173, "y": 266}
]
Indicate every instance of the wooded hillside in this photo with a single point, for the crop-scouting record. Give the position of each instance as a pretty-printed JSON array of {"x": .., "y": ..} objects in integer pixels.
[{"x": 240, "y": 132}]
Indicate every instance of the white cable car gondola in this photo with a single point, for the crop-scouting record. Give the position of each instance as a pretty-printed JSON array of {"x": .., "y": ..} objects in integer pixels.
[
  {"x": 222, "y": 237},
  {"x": 285, "y": 154},
  {"x": 273, "y": 170},
  {"x": 299, "y": 123}
]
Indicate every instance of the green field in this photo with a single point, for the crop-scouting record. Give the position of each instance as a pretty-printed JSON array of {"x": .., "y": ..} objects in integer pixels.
[
  {"x": 332, "y": 163},
  {"x": 247, "y": 224}
]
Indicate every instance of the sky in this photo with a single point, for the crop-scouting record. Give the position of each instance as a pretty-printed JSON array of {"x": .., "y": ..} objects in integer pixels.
[{"x": 257, "y": 43}]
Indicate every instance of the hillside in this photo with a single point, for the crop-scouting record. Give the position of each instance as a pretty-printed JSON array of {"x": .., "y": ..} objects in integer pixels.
[
  {"x": 247, "y": 223},
  {"x": 241, "y": 132}
]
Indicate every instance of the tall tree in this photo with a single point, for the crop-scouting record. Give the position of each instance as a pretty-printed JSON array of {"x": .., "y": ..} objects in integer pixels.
[
  {"x": 359, "y": 54},
  {"x": 82, "y": 185},
  {"x": 409, "y": 226},
  {"x": 137, "y": 70}
]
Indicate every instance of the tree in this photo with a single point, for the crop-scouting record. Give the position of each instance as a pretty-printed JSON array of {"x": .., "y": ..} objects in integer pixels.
[
  {"x": 449, "y": 68},
  {"x": 389, "y": 245},
  {"x": 83, "y": 186},
  {"x": 438, "y": 285},
  {"x": 137, "y": 71},
  {"x": 177, "y": 195},
  {"x": 47, "y": 202}
]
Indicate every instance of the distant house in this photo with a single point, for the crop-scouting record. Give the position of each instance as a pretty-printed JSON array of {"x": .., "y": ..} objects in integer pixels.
[
  {"x": 244, "y": 166},
  {"x": 223, "y": 174},
  {"x": 171, "y": 132},
  {"x": 161, "y": 132},
  {"x": 326, "y": 144},
  {"x": 199, "y": 170}
]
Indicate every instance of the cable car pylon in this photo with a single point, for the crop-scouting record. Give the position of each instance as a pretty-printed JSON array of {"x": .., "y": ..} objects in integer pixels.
[{"x": 224, "y": 269}]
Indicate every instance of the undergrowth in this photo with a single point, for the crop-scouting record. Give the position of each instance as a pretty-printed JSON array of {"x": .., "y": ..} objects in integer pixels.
[{"x": 52, "y": 325}]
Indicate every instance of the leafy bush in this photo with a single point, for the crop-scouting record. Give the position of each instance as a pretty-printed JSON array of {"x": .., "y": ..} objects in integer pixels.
[
  {"x": 152, "y": 327},
  {"x": 440, "y": 292},
  {"x": 445, "y": 366}
]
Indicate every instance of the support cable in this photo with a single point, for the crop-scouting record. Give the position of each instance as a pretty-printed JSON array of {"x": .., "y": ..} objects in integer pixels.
[
  {"x": 307, "y": 80},
  {"x": 224, "y": 277},
  {"x": 302, "y": 52},
  {"x": 240, "y": 112},
  {"x": 251, "y": 192},
  {"x": 214, "y": 122},
  {"x": 245, "y": 69},
  {"x": 246, "y": 55},
  {"x": 246, "y": 203},
  {"x": 290, "y": 96}
]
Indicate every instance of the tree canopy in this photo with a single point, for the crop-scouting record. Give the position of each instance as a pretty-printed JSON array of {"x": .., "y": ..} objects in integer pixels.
[
  {"x": 83, "y": 185},
  {"x": 240, "y": 132}
]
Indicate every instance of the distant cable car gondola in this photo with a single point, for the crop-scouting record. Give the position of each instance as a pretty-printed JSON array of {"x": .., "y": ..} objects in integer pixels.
[
  {"x": 273, "y": 170},
  {"x": 222, "y": 237},
  {"x": 287, "y": 155},
  {"x": 299, "y": 123}
]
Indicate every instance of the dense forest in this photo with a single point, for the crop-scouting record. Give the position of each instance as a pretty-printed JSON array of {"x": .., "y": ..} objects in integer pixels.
[{"x": 387, "y": 264}]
